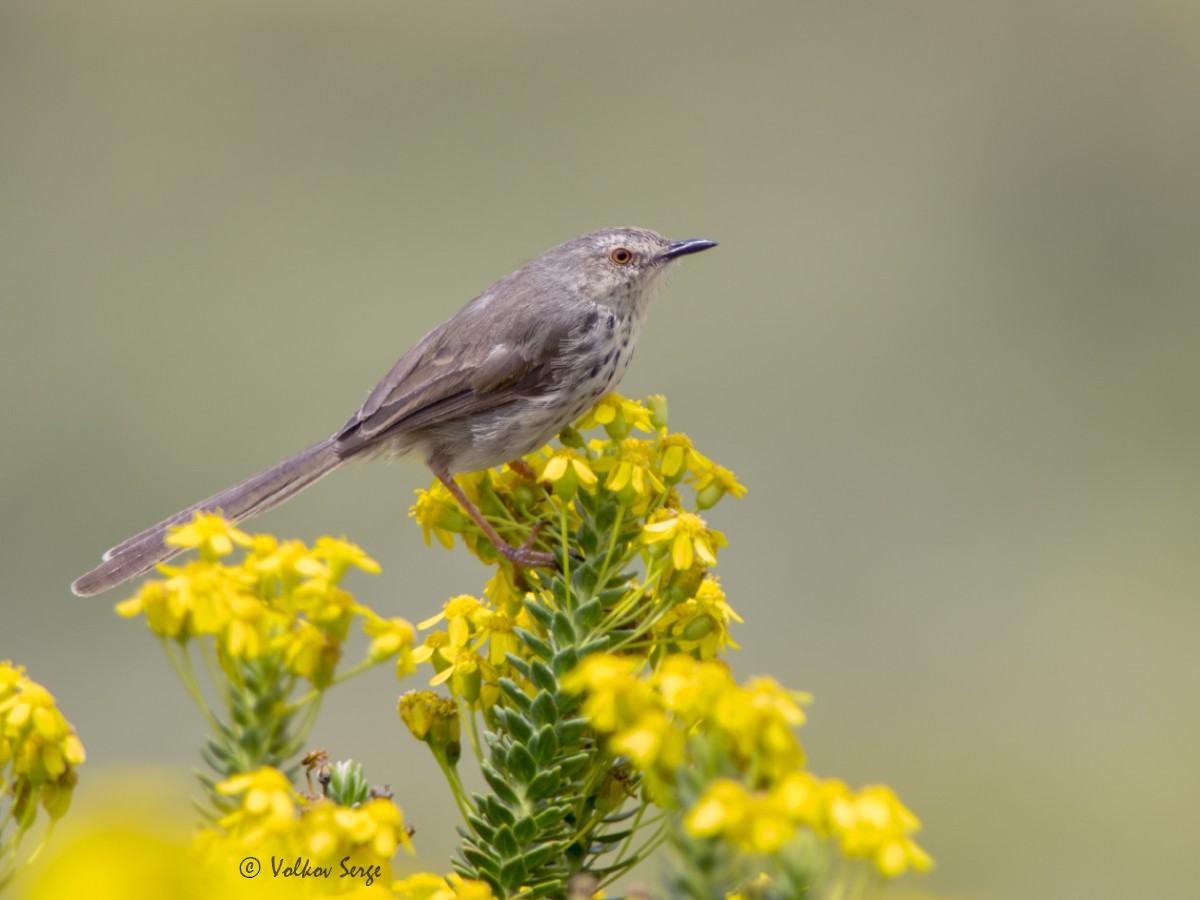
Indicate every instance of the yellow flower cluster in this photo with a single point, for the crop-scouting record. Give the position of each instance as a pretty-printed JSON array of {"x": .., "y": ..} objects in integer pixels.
[
  {"x": 343, "y": 849},
  {"x": 687, "y": 711},
  {"x": 870, "y": 824},
  {"x": 678, "y": 607},
  {"x": 39, "y": 751},
  {"x": 427, "y": 886},
  {"x": 282, "y": 598},
  {"x": 641, "y": 471},
  {"x": 36, "y": 742},
  {"x": 651, "y": 720},
  {"x": 470, "y": 653}
]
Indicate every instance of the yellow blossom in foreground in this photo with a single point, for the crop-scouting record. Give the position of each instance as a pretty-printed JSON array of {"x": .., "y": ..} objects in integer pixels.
[
  {"x": 339, "y": 554},
  {"x": 268, "y": 805},
  {"x": 427, "y": 886},
  {"x": 614, "y": 698},
  {"x": 874, "y": 824},
  {"x": 39, "y": 752},
  {"x": 210, "y": 533},
  {"x": 370, "y": 833}
]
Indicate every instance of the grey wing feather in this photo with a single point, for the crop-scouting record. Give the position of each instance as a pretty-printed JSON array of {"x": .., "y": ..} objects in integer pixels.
[{"x": 443, "y": 377}]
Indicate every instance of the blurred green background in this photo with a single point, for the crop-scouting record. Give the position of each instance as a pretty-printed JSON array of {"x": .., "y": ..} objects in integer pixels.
[{"x": 949, "y": 340}]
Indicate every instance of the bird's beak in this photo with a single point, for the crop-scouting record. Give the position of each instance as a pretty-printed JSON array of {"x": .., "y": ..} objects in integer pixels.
[{"x": 683, "y": 248}]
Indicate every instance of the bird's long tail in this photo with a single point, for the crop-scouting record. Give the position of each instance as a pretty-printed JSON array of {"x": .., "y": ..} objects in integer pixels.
[{"x": 263, "y": 491}]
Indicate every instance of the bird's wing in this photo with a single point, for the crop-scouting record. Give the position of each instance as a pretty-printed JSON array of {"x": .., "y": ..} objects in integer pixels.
[{"x": 477, "y": 360}]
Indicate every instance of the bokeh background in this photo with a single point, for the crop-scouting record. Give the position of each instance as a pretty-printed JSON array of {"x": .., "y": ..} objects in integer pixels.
[{"x": 949, "y": 340}]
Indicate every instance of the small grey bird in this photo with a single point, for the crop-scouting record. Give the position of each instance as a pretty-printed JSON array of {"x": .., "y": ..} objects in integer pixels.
[{"x": 497, "y": 380}]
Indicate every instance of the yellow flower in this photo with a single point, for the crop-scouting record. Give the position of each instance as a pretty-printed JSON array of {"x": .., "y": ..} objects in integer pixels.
[
  {"x": 245, "y": 636},
  {"x": 327, "y": 606},
  {"x": 340, "y": 555},
  {"x": 503, "y": 594},
  {"x": 469, "y": 676},
  {"x": 212, "y": 534},
  {"x": 568, "y": 471},
  {"x": 435, "y": 650},
  {"x": 693, "y": 690},
  {"x": 39, "y": 751},
  {"x": 369, "y": 833},
  {"x": 759, "y": 719},
  {"x": 427, "y": 886},
  {"x": 652, "y": 742},
  {"x": 752, "y": 822},
  {"x": 268, "y": 805},
  {"x": 688, "y": 536},
  {"x": 677, "y": 456},
  {"x": 723, "y": 807},
  {"x": 203, "y": 590},
  {"x": 439, "y": 515},
  {"x": 309, "y": 652},
  {"x": 618, "y": 415},
  {"x": 800, "y": 795},
  {"x": 713, "y": 482},
  {"x": 390, "y": 637},
  {"x": 462, "y": 613},
  {"x": 497, "y": 631},
  {"x": 701, "y": 624},
  {"x": 429, "y": 717},
  {"x": 165, "y": 612},
  {"x": 630, "y": 472},
  {"x": 614, "y": 697},
  {"x": 874, "y": 824}
]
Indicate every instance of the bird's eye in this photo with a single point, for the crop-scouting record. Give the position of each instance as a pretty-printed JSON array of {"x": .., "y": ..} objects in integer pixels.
[{"x": 622, "y": 256}]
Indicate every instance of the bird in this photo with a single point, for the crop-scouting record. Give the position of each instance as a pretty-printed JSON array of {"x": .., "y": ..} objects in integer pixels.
[{"x": 495, "y": 381}]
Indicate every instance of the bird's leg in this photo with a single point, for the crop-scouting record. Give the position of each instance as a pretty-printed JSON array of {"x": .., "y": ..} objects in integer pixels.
[
  {"x": 524, "y": 555},
  {"x": 524, "y": 469}
]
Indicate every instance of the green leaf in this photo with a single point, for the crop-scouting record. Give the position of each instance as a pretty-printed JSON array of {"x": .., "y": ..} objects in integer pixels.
[
  {"x": 588, "y": 615},
  {"x": 551, "y": 816},
  {"x": 497, "y": 811},
  {"x": 517, "y": 663},
  {"x": 544, "y": 745},
  {"x": 564, "y": 661},
  {"x": 562, "y": 629},
  {"x": 506, "y": 842},
  {"x": 521, "y": 764},
  {"x": 546, "y": 784},
  {"x": 499, "y": 784},
  {"x": 525, "y": 830},
  {"x": 534, "y": 643},
  {"x": 517, "y": 725},
  {"x": 539, "y": 613},
  {"x": 513, "y": 691},
  {"x": 543, "y": 677},
  {"x": 595, "y": 645},
  {"x": 485, "y": 831},
  {"x": 539, "y": 856},
  {"x": 544, "y": 710},
  {"x": 571, "y": 731},
  {"x": 571, "y": 763},
  {"x": 513, "y": 874}
]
